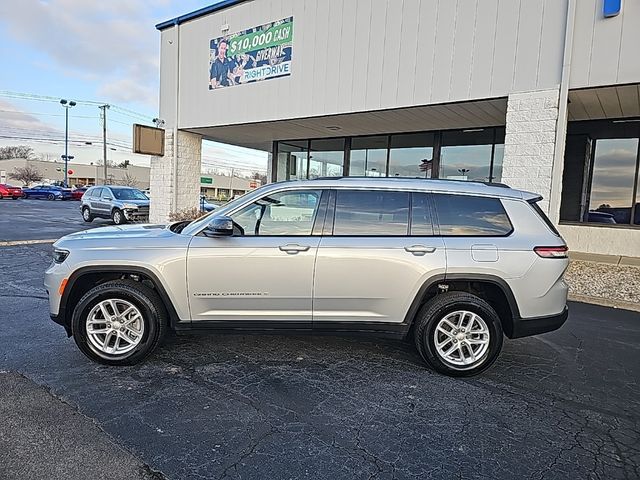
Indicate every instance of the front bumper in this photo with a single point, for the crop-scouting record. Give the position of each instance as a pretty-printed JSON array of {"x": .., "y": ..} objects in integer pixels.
[
  {"x": 136, "y": 216},
  {"x": 525, "y": 327}
]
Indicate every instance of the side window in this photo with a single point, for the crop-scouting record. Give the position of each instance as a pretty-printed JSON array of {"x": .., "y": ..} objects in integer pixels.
[
  {"x": 421, "y": 219},
  {"x": 371, "y": 213},
  {"x": 96, "y": 192},
  {"x": 280, "y": 214},
  {"x": 465, "y": 215},
  {"x": 106, "y": 193}
]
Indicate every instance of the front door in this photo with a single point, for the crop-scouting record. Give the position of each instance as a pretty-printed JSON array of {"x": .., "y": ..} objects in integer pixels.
[
  {"x": 380, "y": 252},
  {"x": 264, "y": 272}
]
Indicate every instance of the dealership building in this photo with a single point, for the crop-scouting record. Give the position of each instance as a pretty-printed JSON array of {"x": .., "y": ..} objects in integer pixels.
[{"x": 542, "y": 95}]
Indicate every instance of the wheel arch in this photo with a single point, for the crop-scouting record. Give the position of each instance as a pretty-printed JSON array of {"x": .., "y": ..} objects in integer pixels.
[
  {"x": 491, "y": 288},
  {"x": 85, "y": 278}
]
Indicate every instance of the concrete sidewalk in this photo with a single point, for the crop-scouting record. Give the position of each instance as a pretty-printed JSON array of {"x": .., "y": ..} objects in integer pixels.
[{"x": 43, "y": 437}]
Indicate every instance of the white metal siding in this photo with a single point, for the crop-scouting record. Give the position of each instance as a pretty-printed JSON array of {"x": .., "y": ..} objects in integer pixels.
[
  {"x": 360, "y": 55},
  {"x": 605, "y": 50}
]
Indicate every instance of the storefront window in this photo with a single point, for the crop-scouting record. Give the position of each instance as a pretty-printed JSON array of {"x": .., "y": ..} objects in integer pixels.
[
  {"x": 600, "y": 176},
  {"x": 327, "y": 158},
  {"x": 368, "y": 156},
  {"x": 466, "y": 155},
  {"x": 292, "y": 160},
  {"x": 613, "y": 179},
  {"x": 411, "y": 155}
]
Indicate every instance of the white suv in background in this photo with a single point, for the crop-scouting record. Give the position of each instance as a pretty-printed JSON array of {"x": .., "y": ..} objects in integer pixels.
[{"x": 455, "y": 264}]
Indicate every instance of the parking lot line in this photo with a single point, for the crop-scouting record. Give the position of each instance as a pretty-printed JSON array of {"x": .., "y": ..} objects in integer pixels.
[{"x": 14, "y": 243}]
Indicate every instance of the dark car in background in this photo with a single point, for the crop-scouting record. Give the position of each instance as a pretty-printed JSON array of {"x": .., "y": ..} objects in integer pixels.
[
  {"x": 9, "y": 191},
  {"x": 48, "y": 192}
]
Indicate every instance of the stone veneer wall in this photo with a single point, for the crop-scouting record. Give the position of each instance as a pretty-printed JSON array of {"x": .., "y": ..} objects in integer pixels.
[
  {"x": 530, "y": 142},
  {"x": 162, "y": 176}
]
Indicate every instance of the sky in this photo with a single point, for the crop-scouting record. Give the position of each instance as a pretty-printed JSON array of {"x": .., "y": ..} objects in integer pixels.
[{"x": 92, "y": 52}]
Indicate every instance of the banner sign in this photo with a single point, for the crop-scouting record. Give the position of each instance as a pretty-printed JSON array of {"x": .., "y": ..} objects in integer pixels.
[{"x": 256, "y": 54}]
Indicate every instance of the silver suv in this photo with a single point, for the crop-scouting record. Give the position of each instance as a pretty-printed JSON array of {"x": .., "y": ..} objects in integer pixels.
[
  {"x": 120, "y": 204},
  {"x": 455, "y": 265}
]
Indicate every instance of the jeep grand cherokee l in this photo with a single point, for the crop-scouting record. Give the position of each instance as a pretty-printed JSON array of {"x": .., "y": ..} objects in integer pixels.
[{"x": 455, "y": 265}]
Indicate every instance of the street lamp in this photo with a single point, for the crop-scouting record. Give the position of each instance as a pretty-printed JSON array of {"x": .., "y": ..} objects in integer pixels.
[{"x": 67, "y": 105}]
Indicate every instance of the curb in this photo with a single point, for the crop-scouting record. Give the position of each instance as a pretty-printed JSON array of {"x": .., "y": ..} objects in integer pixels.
[
  {"x": 14, "y": 243},
  {"x": 605, "y": 302}
]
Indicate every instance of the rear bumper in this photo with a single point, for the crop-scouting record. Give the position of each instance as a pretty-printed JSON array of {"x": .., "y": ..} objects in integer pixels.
[{"x": 525, "y": 327}]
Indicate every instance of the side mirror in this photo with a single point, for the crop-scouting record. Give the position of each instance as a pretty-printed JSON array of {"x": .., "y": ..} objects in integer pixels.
[{"x": 220, "y": 227}]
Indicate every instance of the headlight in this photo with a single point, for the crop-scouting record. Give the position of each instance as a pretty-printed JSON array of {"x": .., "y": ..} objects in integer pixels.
[
  {"x": 60, "y": 255},
  {"x": 130, "y": 206}
]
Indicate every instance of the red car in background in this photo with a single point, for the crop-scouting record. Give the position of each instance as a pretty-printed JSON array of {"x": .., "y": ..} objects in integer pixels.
[
  {"x": 77, "y": 193},
  {"x": 8, "y": 191}
]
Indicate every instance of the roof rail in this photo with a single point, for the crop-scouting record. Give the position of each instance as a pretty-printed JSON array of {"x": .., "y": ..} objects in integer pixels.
[{"x": 489, "y": 184}]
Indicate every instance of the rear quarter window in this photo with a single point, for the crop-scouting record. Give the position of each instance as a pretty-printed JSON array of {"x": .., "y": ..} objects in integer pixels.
[{"x": 471, "y": 216}]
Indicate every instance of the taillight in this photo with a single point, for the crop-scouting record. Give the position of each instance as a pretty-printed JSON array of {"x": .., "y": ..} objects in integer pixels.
[{"x": 552, "y": 252}]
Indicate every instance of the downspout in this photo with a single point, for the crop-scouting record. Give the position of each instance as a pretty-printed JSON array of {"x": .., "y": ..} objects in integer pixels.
[
  {"x": 563, "y": 109},
  {"x": 175, "y": 125}
]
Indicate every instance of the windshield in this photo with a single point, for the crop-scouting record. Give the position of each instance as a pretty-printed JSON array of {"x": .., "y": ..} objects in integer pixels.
[{"x": 128, "y": 194}]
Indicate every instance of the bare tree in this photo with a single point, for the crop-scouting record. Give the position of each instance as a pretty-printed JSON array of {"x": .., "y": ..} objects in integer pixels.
[
  {"x": 26, "y": 175},
  {"x": 129, "y": 180},
  {"x": 18, "y": 151},
  {"x": 261, "y": 177}
]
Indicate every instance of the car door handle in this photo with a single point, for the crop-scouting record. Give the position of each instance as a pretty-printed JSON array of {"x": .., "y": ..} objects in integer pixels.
[
  {"x": 419, "y": 250},
  {"x": 293, "y": 248}
]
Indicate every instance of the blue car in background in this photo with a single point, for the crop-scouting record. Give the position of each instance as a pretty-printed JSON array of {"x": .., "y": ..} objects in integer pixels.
[{"x": 49, "y": 192}]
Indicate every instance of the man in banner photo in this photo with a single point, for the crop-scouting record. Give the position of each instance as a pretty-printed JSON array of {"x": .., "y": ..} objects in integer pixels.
[{"x": 255, "y": 54}]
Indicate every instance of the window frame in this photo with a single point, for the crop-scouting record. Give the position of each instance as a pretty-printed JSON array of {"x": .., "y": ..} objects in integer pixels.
[{"x": 316, "y": 231}]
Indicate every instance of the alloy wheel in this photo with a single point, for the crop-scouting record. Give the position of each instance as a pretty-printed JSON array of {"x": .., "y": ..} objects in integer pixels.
[
  {"x": 114, "y": 327},
  {"x": 462, "y": 338}
]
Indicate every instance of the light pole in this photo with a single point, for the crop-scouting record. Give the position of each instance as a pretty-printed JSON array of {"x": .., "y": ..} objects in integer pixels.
[
  {"x": 67, "y": 159},
  {"x": 67, "y": 105}
]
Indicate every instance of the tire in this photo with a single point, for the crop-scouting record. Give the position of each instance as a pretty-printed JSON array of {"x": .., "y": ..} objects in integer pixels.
[
  {"x": 86, "y": 215},
  {"x": 118, "y": 217},
  {"x": 25, "y": 196},
  {"x": 152, "y": 322},
  {"x": 449, "y": 307},
  {"x": 1, "y": 197},
  {"x": 51, "y": 196}
]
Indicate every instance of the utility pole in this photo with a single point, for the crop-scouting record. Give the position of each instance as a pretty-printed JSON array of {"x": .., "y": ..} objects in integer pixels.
[{"x": 104, "y": 139}]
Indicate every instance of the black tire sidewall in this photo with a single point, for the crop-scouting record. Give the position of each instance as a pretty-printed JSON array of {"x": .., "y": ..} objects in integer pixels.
[
  {"x": 150, "y": 317},
  {"x": 475, "y": 305}
]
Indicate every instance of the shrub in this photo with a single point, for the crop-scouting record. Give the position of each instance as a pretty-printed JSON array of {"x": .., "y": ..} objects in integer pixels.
[{"x": 186, "y": 214}]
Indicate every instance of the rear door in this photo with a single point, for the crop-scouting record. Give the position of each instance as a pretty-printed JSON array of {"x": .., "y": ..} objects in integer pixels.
[{"x": 377, "y": 253}]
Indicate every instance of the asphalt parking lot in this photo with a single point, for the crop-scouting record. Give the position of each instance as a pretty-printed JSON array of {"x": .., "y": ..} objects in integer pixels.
[{"x": 564, "y": 405}]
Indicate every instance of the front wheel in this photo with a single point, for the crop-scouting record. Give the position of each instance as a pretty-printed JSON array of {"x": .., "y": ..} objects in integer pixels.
[
  {"x": 119, "y": 322},
  {"x": 118, "y": 217},
  {"x": 458, "y": 334},
  {"x": 51, "y": 196}
]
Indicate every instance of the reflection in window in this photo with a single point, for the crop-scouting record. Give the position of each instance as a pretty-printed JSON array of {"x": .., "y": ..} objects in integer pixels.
[
  {"x": 466, "y": 155},
  {"x": 327, "y": 158},
  {"x": 421, "y": 222},
  {"x": 612, "y": 182},
  {"x": 465, "y": 215},
  {"x": 282, "y": 214},
  {"x": 371, "y": 213},
  {"x": 368, "y": 156},
  {"x": 411, "y": 155}
]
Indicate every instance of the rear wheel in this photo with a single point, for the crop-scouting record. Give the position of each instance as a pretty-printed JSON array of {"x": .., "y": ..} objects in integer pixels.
[
  {"x": 458, "y": 334},
  {"x": 118, "y": 217},
  {"x": 119, "y": 322},
  {"x": 86, "y": 215}
]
